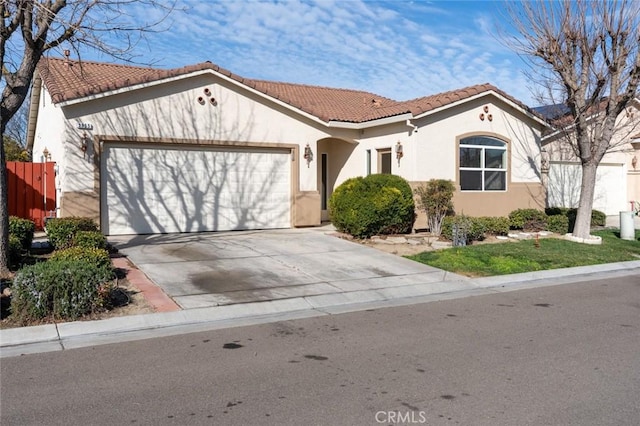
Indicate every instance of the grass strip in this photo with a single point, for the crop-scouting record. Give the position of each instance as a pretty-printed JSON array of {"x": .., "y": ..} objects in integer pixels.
[{"x": 522, "y": 256}]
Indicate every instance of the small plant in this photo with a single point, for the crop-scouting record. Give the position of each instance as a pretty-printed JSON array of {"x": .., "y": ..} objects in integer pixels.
[
  {"x": 61, "y": 231},
  {"x": 528, "y": 219},
  {"x": 435, "y": 199},
  {"x": 61, "y": 289},
  {"x": 22, "y": 229},
  {"x": 90, "y": 239},
  {"x": 558, "y": 223},
  {"x": 97, "y": 257},
  {"x": 373, "y": 205}
]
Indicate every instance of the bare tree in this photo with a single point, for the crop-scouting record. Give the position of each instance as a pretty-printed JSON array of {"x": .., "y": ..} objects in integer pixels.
[
  {"x": 30, "y": 28},
  {"x": 585, "y": 56}
]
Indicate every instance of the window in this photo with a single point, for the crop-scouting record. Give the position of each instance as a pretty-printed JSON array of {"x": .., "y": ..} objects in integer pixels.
[
  {"x": 368, "y": 162},
  {"x": 384, "y": 161},
  {"x": 483, "y": 164}
]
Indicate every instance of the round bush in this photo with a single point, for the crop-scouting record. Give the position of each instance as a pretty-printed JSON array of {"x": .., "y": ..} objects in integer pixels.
[
  {"x": 22, "y": 229},
  {"x": 62, "y": 230},
  {"x": 374, "y": 205},
  {"x": 62, "y": 289},
  {"x": 97, "y": 257},
  {"x": 90, "y": 239}
]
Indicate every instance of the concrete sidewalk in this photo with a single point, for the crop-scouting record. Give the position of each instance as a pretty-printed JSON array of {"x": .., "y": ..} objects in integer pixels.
[{"x": 52, "y": 337}]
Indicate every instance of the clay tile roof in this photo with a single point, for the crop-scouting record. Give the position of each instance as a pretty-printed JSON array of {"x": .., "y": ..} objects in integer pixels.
[{"x": 68, "y": 80}]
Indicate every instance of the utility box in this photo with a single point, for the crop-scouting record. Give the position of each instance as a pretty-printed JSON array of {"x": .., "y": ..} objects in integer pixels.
[{"x": 627, "y": 228}]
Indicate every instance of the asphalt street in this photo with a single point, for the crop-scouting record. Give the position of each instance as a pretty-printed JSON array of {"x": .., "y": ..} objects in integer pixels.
[{"x": 560, "y": 355}]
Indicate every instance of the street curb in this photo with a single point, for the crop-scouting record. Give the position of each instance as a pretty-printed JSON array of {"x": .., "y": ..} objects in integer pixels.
[{"x": 47, "y": 337}]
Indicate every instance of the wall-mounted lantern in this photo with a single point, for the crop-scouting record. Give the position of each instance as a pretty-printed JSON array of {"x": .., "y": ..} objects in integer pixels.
[
  {"x": 308, "y": 154},
  {"x": 399, "y": 151},
  {"x": 84, "y": 142},
  {"x": 46, "y": 155},
  {"x": 634, "y": 162}
]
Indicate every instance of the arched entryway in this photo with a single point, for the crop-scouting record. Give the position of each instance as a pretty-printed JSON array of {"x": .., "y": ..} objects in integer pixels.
[{"x": 333, "y": 154}]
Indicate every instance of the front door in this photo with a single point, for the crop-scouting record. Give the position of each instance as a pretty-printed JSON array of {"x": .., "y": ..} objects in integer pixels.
[{"x": 324, "y": 186}]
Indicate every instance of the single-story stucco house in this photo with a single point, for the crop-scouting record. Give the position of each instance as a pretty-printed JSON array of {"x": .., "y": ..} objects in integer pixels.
[
  {"x": 618, "y": 175},
  {"x": 198, "y": 148}
]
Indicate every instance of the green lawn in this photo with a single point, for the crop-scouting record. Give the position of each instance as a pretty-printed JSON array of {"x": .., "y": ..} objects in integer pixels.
[{"x": 522, "y": 256}]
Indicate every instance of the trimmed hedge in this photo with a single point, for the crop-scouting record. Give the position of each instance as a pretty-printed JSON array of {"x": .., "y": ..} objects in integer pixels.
[
  {"x": 598, "y": 218},
  {"x": 558, "y": 224},
  {"x": 528, "y": 219},
  {"x": 23, "y": 229},
  {"x": 495, "y": 225},
  {"x": 62, "y": 289},
  {"x": 61, "y": 231},
  {"x": 373, "y": 205},
  {"x": 90, "y": 239},
  {"x": 94, "y": 256}
]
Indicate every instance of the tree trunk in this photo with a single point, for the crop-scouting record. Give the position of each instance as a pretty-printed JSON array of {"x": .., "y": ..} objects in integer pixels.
[
  {"x": 582, "y": 228},
  {"x": 4, "y": 214}
]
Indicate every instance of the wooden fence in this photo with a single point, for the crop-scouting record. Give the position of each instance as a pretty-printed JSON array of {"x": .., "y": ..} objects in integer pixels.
[{"x": 32, "y": 190}]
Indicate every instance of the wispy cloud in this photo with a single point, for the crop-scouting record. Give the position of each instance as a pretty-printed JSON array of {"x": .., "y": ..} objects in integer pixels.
[{"x": 398, "y": 49}]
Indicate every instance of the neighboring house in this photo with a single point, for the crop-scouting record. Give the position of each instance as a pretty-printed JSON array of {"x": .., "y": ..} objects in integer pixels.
[
  {"x": 201, "y": 149},
  {"x": 618, "y": 175}
]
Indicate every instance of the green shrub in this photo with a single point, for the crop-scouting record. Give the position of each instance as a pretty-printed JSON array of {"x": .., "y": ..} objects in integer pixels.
[
  {"x": 97, "y": 257},
  {"x": 373, "y": 205},
  {"x": 558, "y": 223},
  {"x": 23, "y": 229},
  {"x": 63, "y": 289},
  {"x": 495, "y": 225},
  {"x": 554, "y": 211},
  {"x": 90, "y": 239},
  {"x": 528, "y": 219},
  {"x": 61, "y": 231},
  {"x": 14, "y": 254},
  {"x": 598, "y": 218},
  {"x": 472, "y": 226},
  {"x": 435, "y": 199}
]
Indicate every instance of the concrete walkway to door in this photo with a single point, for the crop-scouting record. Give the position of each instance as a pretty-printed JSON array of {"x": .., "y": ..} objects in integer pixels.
[{"x": 211, "y": 269}]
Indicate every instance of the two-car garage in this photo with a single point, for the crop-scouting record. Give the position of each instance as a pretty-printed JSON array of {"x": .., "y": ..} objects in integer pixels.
[{"x": 147, "y": 189}]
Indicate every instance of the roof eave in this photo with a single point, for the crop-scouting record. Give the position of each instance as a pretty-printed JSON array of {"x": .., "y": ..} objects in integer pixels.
[
  {"x": 190, "y": 75},
  {"x": 371, "y": 123},
  {"x": 480, "y": 95}
]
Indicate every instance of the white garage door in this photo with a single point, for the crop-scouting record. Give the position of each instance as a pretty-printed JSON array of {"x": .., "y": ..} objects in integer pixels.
[
  {"x": 147, "y": 190},
  {"x": 610, "y": 191}
]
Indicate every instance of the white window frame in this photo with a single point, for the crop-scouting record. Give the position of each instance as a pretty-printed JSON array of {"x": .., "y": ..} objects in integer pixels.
[{"x": 482, "y": 167}]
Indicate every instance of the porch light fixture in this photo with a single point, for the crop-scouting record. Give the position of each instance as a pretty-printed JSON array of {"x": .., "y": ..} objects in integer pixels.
[
  {"x": 84, "y": 142},
  {"x": 399, "y": 152},
  {"x": 308, "y": 154},
  {"x": 634, "y": 162}
]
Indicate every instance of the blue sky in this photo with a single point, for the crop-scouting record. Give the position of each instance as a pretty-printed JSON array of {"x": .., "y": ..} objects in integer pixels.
[{"x": 398, "y": 49}]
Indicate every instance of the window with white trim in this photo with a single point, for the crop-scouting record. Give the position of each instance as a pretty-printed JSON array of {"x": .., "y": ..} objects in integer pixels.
[{"x": 483, "y": 164}]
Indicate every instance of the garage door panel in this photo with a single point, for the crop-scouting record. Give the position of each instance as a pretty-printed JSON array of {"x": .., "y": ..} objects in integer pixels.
[
  {"x": 189, "y": 190},
  {"x": 610, "y": 191}
]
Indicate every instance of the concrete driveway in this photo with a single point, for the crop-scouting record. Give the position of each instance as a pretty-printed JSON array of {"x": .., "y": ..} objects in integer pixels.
[{"x": 210, "y": 269}]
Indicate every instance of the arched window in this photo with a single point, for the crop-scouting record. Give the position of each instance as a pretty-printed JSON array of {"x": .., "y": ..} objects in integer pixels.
[{"x": 483, "y": 164}]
